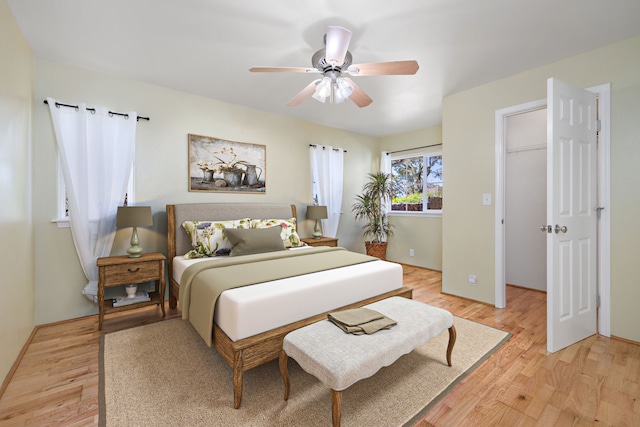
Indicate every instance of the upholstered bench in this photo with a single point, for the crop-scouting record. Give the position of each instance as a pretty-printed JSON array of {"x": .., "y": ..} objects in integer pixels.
[{"x": 339, "y": 359}]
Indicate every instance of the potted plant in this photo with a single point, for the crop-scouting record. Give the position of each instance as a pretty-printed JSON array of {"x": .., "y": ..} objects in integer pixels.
[{"x": 370, "y": 206}]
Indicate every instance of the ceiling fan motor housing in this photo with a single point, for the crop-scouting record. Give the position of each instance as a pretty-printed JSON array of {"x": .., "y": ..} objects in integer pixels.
[{"x": 319, "y": 61}]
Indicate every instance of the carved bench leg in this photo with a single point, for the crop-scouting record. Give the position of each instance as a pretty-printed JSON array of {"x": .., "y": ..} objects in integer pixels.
[
  {"x": 452, "y": 341},
  {"x": 285, "y": 373},
  {"x": 336, "y": 407}
]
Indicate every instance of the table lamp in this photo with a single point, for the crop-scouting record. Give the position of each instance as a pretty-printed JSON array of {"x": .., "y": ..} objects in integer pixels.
[
  {"x": 317, "y": 213},
  {"x": 134, "y": 216}
]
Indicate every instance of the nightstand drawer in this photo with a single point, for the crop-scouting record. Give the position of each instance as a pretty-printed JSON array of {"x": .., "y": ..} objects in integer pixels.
[
  {"x": 322, "y": 241},
  {"x": 123, "y": 274}
]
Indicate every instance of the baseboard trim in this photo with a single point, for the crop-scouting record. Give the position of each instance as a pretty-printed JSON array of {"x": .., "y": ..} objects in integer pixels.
[
  {"x": 17, "y": 362},
  {"x": 415, "y": 266},
  {"x": 628, "y": 341}
]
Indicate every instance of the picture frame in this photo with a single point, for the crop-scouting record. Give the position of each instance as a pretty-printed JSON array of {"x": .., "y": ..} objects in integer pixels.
[{"x": 224, "y": 166}]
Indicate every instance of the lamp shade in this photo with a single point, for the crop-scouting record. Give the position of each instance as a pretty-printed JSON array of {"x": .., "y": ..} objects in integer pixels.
[
  {"x": 317, "y": 212},
  {"x": 323, "y": 89},
  {"x": 134, "y": 216}
]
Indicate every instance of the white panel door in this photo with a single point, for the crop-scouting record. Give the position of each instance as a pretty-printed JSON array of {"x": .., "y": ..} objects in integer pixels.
[{"x": 571, "y": 199}]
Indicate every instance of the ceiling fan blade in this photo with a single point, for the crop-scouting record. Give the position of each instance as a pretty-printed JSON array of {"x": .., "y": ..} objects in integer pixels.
[
  {"x": 303, "y": 94},
  {"x": 337, "y": 41},
  {"x": 396, "y": 68},
  {"x": 359, "y": 97},
  {"x": 283, "y": 70}
]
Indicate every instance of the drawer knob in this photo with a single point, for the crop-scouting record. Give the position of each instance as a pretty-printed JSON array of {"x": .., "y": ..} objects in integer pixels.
[{"x": 134, "y": 271}]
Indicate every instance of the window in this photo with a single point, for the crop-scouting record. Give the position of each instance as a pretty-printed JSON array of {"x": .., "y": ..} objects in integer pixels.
[
  {"x": 419, "y": 183},
  {"x": 63, "y": 202}
]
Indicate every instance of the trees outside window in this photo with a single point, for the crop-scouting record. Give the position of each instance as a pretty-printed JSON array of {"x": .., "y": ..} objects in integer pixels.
[{"x": 419, "y": 183}]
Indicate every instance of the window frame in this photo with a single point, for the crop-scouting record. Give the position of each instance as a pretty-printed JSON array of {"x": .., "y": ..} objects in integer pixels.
[{"x": 425, "y": 155}]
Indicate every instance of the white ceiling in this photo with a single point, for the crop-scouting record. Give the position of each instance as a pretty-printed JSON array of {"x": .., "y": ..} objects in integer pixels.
[{"x": 206, "y": 47}]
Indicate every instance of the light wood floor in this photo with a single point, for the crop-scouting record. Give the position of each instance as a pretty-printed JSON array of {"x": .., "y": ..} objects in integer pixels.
[{"x": 593, "y": 383}]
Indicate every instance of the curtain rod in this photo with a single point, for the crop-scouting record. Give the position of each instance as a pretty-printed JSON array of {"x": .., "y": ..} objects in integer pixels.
[
  {"x": 93, "y": 110},
  {"x": 335, "y": 149},
  {"x": 414, "y": 148}
]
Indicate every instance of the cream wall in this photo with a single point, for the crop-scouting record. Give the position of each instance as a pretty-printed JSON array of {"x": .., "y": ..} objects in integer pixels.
[
  {"x": 423, "y": 234},
  {"x": 468, "y": 129},
  {"x": 16, "y": 242},
  {"x": 161, "y": 168}
]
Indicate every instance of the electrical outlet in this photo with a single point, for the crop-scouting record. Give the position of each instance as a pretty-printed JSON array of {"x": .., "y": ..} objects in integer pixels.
[
  {"x": 411, "y": 252},
  {"x": 472, "y": 279}
]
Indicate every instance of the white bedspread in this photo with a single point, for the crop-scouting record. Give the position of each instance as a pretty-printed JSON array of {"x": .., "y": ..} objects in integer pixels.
[{"x": 249, "y": 310}]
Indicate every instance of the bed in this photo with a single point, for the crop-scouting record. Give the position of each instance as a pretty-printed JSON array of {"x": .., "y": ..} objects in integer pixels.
[{"x": 243, "y": 338}]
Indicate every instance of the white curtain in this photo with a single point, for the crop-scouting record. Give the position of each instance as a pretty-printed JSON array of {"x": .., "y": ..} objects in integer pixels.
[
  {"x": 327, "y": 175},
  {"x": 96, "y": 153},
  {"x": 385, "y": 166},
  {"x": 385, "y": 162}
]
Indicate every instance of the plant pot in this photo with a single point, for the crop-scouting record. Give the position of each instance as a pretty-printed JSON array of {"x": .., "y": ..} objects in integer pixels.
[{"x": 377, "y": 249}]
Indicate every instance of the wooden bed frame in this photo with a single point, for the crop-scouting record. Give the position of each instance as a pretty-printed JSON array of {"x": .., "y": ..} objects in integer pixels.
[{"x": 253, "y": 351}]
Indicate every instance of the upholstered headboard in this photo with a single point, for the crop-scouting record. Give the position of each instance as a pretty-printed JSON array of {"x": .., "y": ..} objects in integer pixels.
[{"x": 178, "y": 240}]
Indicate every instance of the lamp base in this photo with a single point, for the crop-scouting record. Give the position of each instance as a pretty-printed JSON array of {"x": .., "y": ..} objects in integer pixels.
[
  {"x": 134, "y": 251},
  {"x": 317, "y": 231}
]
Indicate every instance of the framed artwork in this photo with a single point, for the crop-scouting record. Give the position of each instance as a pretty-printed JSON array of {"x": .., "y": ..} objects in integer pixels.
[{"x": 219, "y": 165}]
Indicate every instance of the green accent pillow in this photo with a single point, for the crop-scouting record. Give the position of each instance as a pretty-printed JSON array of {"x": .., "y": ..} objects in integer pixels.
[{"x": 254, "y": 241}]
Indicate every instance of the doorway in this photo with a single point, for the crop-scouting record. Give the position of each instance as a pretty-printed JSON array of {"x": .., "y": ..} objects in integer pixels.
[
  {"x": 603, "y": 255},
  {"x": 526, "y": 199}
]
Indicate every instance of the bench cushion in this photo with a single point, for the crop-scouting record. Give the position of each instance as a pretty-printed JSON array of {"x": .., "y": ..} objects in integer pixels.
[{"x": 339, "y": 359}]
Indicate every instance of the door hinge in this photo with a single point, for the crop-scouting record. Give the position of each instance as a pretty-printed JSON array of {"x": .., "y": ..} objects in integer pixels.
[
  {"x": 598, "y": 125},
  {"x": 597, "y": 301}
]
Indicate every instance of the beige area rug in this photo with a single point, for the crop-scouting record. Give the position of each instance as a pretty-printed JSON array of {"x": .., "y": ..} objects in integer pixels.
[{"x": 163, "y": 374}]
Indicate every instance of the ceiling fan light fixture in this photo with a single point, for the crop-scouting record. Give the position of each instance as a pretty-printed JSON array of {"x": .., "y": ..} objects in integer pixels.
[
  {"x": 323, "y": 90},
  {"x": 337, "y": 90},
  {"x": 344, "y": 88}
]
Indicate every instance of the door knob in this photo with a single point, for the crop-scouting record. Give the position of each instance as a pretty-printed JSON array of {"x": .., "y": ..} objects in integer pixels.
[
  {"x": 543, "y": 228},
  {"x": 558, "y": 229}
]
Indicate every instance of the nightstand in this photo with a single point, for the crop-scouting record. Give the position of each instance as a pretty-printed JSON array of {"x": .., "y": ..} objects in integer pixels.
[
  {"x": 122, "y": 270},
  {"x": 323, "y": 241}
]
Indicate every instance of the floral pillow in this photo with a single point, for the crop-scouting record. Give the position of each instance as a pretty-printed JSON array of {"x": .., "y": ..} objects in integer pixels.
[
  {"x": 207, "y": 238},
  {"x": 289, "y": 235}
]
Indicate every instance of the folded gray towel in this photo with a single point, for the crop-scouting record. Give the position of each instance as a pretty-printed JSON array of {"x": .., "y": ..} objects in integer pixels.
[
  {"x": 360, "y": 321},
  {"x": 355, "y": 316}
]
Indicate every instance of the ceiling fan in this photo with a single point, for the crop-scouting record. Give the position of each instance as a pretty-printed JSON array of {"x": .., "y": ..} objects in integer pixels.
[{"x": 333, "y": 62}]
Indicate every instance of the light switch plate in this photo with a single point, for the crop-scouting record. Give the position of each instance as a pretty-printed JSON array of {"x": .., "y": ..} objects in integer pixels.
[{"x": 486, "y": 199}]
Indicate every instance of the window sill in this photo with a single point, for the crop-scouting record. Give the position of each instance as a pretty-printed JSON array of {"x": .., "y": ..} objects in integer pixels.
[
  {"x": 62, "y": 222},
  {"x": 431, "y": 214}
]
